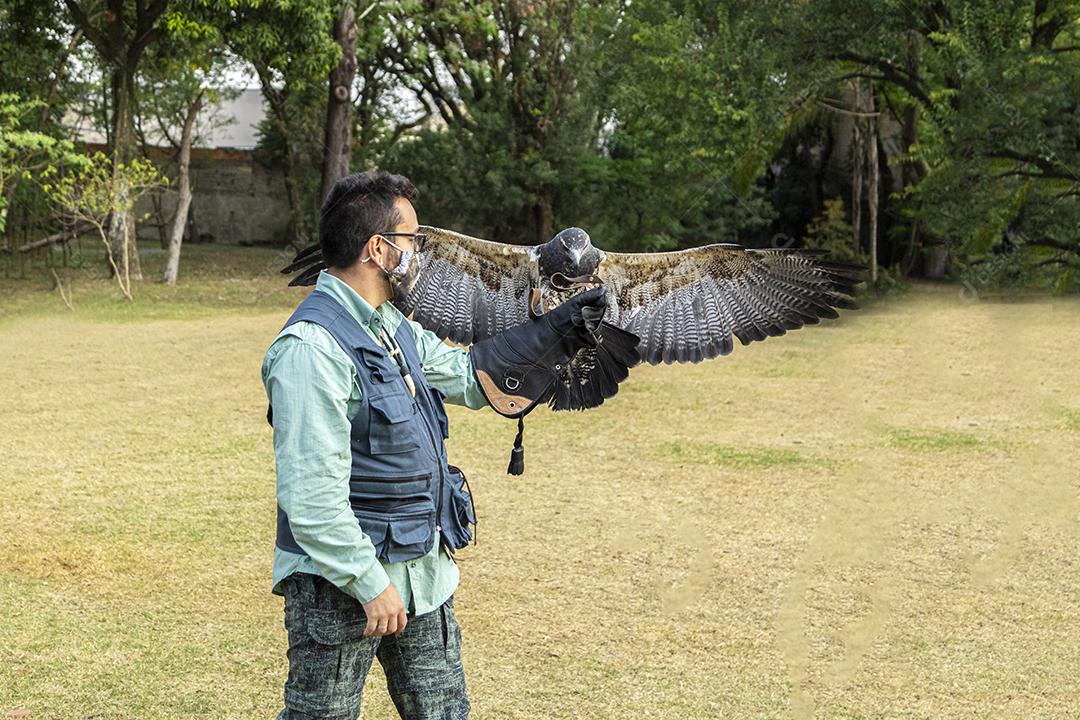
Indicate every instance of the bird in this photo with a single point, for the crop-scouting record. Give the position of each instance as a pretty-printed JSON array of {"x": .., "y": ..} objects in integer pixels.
[{"x": 680, "y": 306}]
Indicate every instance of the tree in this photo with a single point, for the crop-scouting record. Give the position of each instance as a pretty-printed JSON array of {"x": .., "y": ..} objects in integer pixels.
[
  {"x": 120, "y": 32},
  {"x": 181, "y": 73},
  {"x": 91, "y": 195},
  {"x": 291, "y": 47},
  {"x": 699, "y": 101},
  {"x": 25, "y": 153},
  {"x": 985, "y": 91},
  {"x": 515, "y": 87},
  {"x": 339, "y": 110},
  {"x": 37, "y": 46}
]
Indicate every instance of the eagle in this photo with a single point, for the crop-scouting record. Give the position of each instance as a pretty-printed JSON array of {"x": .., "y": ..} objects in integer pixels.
[{"x": 681, "y": 306}]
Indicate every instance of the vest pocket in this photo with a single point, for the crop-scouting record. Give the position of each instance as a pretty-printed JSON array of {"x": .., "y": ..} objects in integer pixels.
[
  {"x": 462, "y": 512},
  {"x": 390, "y": 427},
  {"x": 380, "y": 367},
  {"x": 367, "y": 489},
  {"x": 399, "y": 536}
]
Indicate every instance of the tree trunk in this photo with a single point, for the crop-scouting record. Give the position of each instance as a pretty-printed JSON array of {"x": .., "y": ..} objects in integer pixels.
[
  {"x": 120, "y": 42},
  {"x": 172, "y": 265},
  {"x": 543, "y": 213},
  {"x": 874, "y": 181},
  {"x": 122, "y": 242},
  {"x": 296, "y": 212},
  {"x": 857, "y": 158},
  {"x": 338, "y": 137},
  {"x": 277, "y": 99}
]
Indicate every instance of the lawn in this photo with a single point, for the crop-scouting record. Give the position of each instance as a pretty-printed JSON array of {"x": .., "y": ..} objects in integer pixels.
[{"x": 873, "y": 518}]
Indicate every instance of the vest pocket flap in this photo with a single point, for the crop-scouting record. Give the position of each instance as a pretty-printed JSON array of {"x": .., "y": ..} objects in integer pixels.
[
  {"x": 394, "y": 407},
  {"x": 399, "y": 534},
  {"x": 376, "y": 530},
  {"x": 411, "y": 531},
  {"x": 389, "y": 430},
  {"x": 334, "y": 627}
]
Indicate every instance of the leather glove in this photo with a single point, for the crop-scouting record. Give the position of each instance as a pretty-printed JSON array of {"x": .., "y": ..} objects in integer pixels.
[{"x": 517, "y": 368}]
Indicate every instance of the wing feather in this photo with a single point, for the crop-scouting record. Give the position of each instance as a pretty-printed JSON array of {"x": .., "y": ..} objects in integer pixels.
[
  {"x": 688, "y": 305},
  {"x": 478, "y": 288},
  {"x": 466, "y": 288}
]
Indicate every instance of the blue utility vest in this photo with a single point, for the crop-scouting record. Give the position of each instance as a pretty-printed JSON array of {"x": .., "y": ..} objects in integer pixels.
[{"x": 401, "y": 489}]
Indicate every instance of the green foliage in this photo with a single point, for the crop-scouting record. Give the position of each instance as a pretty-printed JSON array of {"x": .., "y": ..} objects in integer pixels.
[
  {"x": 831, "y": 231},
  {"x": 290, "y": 45},
  {"x": 656, "y": 125},
  {"x": 25, "y": 154},
  {"x": 98, "y": 189},
  {"x": 90, "y": 191},
  {"x": 515, "y": 110},
  {"x": 992, "y": 90}
]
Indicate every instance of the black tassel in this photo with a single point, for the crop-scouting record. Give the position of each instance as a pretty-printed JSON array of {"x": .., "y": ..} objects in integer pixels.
[{"x": 517, "y": 455}]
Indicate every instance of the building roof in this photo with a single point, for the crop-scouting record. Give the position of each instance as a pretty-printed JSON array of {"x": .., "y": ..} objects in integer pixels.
[{"x": 230, "y": 123}]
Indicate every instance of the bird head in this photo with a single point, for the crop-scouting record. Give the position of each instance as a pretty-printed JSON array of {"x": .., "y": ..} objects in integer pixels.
[{"x": 570, "y": 252}]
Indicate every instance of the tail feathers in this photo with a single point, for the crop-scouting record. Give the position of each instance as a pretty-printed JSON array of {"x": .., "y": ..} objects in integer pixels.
[
  {"x": 309, "y": 262},
  {"x": 309, "y": 276},
  {"x": 594, "y": 374}
]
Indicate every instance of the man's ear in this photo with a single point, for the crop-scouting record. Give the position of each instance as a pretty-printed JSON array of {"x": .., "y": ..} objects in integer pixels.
[{"x": 369, "y": 246}]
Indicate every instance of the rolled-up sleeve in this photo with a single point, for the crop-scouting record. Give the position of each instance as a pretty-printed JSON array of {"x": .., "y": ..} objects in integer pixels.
[
  {"x": 448, "y": 368},
  {"x": 309, "y": 392}
]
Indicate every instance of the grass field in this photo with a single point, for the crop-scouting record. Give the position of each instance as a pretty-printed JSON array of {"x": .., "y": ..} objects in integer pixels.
[{"x": 875, "y": 518}]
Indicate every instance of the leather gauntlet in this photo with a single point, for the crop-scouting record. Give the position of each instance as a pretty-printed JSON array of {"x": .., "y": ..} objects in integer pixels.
[{"x": 517, "y": 369}]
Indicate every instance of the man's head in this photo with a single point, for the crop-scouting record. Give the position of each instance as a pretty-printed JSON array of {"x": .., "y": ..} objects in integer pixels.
[{"x": 358, "y": 213}]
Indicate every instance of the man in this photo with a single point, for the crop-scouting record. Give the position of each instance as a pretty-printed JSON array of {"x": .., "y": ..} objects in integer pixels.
[{"x": 369, "y": 511}]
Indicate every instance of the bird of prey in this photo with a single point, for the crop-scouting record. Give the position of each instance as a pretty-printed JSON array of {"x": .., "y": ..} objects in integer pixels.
[{"x": 680, "y": 306}]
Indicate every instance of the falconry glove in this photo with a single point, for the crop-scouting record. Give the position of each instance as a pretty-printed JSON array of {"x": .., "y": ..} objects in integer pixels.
[{"x": 518, "y": 368}]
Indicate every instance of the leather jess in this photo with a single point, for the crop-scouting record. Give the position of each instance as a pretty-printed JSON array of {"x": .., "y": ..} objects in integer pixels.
[{"x": 402, "y": 490}]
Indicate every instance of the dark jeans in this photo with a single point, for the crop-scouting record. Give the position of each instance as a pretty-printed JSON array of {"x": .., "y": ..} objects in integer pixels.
[{"x": 329, "y": 657}]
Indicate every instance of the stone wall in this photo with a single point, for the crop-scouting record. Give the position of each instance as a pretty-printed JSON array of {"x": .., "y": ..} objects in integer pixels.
[{"x": 234, "y": 200}]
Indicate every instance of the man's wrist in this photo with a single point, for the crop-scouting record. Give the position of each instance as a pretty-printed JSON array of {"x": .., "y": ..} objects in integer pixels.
[{"x": 370, "y": 586}]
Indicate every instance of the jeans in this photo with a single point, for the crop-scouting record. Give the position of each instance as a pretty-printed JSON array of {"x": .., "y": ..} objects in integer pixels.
[{"x": 329, "y": 657}]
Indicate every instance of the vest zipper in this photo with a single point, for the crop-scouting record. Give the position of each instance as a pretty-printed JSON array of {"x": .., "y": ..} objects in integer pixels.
[{"x": 438, "y": 463}]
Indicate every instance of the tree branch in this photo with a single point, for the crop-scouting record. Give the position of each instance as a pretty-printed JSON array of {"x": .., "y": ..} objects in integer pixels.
[
  {"x": 91, "y": 32},
  {"x": 893, "y": 74},
  {"x": 1050, "y": 170}
]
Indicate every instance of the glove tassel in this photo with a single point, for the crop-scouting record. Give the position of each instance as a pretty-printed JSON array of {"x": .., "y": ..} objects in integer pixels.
[{"x": 517, "y": 455}]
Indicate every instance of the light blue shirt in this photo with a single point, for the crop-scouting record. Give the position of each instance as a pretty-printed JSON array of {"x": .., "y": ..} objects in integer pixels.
[{"x": 315, "y": 393}]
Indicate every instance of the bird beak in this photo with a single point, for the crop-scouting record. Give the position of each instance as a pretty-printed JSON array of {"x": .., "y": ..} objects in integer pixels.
[{"x": 576, "y": 254}]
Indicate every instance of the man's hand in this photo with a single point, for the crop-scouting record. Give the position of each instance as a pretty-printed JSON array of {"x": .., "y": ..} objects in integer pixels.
[{"x": 385, "y": 614}]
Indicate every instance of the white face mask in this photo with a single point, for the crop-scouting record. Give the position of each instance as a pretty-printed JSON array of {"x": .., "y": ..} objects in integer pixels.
[{"x": 398, "y": 275}]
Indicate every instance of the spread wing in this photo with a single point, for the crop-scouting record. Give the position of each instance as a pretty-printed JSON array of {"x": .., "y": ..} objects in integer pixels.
[
  {"x": 687, "y": 305},
  {"x": 465, "y": 289},
  {"x": 468, "y": 289}
]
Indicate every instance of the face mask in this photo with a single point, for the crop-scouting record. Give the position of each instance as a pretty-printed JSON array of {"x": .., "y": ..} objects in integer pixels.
[{"x": 398, "y": 276}]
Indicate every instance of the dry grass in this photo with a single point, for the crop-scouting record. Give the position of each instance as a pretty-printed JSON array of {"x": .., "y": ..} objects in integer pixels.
[{"x": 872, "y": 519}]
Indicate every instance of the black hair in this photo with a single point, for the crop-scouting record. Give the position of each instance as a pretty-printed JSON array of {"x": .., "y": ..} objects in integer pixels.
[{"x": 359, "y": 206}]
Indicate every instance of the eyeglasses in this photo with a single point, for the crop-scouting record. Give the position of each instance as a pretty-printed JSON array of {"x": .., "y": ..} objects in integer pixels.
[{"x": 418, "y": 239}]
